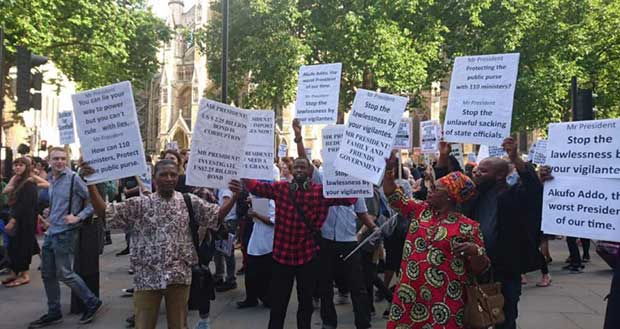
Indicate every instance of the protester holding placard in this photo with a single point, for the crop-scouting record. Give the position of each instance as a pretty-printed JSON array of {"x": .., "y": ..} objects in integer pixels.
[
  {"x": 443, "y": 248},
  {"x": 301, "y": 211},
  {"x": 507, "y": 217},
  {"x": 162, "y": 248}
]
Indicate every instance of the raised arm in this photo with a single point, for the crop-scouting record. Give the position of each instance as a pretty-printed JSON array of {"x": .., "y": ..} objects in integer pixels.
[
  {"x": 260, "y": 189},
  {"x": 396, "y": 197},
  {"x": 299, "y": 140}
]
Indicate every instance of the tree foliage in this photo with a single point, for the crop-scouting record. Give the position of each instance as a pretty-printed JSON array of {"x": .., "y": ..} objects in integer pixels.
[
  {"x": 401, "y": 46},
  {"x": 94, "y": 42}
]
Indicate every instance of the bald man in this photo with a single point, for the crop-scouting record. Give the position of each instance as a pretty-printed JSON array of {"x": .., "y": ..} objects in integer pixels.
[{"x": 509, "y": 216}]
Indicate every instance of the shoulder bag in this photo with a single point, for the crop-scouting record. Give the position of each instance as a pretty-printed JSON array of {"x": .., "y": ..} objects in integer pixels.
[{"x": 485, "y": 304}]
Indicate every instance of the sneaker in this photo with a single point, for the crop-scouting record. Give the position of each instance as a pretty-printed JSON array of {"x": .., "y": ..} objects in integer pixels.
[
  {"x": 341, "y": 299},
  {"x": 226, "y": 286},
  {"x": 246, "y": 304},
  {"x": 131, "y": 321},
  {"x": 45, "y": 320},
  {"x": 90, "y": 315},
  {"x": 127, "y": 292},
  {"x": 586, "y": 258},
  {"x": 123, "y": 252},
  {"x": 202, "y": 324}
]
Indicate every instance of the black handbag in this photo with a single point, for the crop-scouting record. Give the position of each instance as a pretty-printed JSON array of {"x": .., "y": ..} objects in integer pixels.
[{"x": 202, "y": 288}]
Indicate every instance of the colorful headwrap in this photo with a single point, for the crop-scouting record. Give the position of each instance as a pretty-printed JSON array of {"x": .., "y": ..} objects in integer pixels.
[{"x": 460, "y": 187}]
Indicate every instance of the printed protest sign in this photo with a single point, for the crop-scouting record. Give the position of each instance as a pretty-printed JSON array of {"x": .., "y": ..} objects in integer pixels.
[
  {"x": 218, "y": 143},
  {"x": 173, "y": 145},
  {"x": 109, "y": 133},
  {"x": 481, "y": 98},
  {"x": 457, "y": 152},
  {"x": 540, "y": 152},
  {"x": 403, "y": 136},
  {"x": 471, "y": 157},
  {"x": 282, "y": 150},
  {"x": 370, "y": 134},
  {"x": 430, "y": 135},
  {"x": 582, "y": 207},
  {"x": 487, "y": 151},
  {"x": 147, "y": 179},
  {"x": 318, "y": 90},
  {"x": 337, "y": 184},
  {"x": 585, "y": 148},
  {"x": 260, "y": 145},
  {"x": 65, "y": 128},
  {"x": 530, "y": 154}
]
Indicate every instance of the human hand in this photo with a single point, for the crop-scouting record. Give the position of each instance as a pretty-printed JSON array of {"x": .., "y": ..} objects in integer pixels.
[
  {"x": 297, "y": 127},
  {"x": 86, "y": 170},
  {"x": 544, "y": 172},
  {"x": 9, "y": 228},
  {"x": 510, "y": 146},
  {"x": 466, "y": 249},
  {"x": 46, "y": 212},
  {"x": 71, "y": 219},
  {"x": 235, "y": 186},
  {"x": 444, "y": 148},
  {"x": 252, "y": 214}
]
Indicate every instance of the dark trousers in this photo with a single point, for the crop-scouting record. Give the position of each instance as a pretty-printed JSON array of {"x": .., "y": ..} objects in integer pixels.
[
  {"x": 331, "y": 256},
  {"x": 511, "y": 289},
  {"x": 371, "y": 279},
  {"x": 573, "y": 250},
  {"x": 281, "y": 287},
  {"x": 258, "y": 278},
  {"x": 612, "y": 316}
]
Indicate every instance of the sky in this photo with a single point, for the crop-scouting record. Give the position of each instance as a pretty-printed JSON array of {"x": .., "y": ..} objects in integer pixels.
[{"x": 160, "y": 6}]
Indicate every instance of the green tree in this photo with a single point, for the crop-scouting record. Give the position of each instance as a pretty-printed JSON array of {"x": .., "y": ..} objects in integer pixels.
[{"x": 94, "y": 42}]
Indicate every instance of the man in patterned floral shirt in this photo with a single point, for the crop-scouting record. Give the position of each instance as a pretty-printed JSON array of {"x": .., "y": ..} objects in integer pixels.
[{"x": 162, "y": 251}]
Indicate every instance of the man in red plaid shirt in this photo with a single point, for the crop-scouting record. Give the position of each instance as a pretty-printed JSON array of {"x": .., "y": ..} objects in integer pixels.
[{"x": 295, "y": 244}]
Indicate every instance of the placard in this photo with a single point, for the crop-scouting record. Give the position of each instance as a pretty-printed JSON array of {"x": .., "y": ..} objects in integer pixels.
[
  {"x": 457, "y": 152},
  {"x": 530, "y": 154},
  {"x": 585, "y": 148},
  {"x": 147, "y": 179},
  {"x": 337, "y": 184},
  {"x": 173, "y": 145},
  {"x": 582, "y": 207},
  {"x": 109, "y": 134},
  {"x": 318, "y": 89},
  {"x": 66, "y": 133},
  {"x": 481, "y": 98},
  {"x": 370, "y": 134},
  {"x": 487, "y": 151},
  {"x": 540, "y": 152},
  {"x": 218, "y": 144},
  {"x": 471, "y": 157},
  {"x": 282, "y": 150},
  {"x": 404, "y": 135},
  {"x": 430, "y": 136},
  {"x": 260, "y": 144}
]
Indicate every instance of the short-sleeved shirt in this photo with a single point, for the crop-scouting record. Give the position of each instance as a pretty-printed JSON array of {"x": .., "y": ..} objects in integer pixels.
[
  {"x": 226, "y": 193},
  {"x": 162, "y": 251},
  {"x": 261, "y": 241},
  {"x": 341, "y": 222}
]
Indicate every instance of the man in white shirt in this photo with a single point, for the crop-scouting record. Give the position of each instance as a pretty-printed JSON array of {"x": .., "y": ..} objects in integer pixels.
[
  {"x": 220, "y": 258},
  {"x": 259, "y": 261}
]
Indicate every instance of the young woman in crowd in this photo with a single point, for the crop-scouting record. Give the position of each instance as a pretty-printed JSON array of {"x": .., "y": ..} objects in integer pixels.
[{"x": 23, "y": 202}]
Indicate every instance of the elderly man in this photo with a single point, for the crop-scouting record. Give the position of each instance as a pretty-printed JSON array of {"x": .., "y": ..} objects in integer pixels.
[{"x": 162, "y": 250}]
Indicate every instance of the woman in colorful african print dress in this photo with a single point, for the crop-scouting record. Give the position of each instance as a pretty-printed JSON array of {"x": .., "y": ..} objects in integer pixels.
[{"x": 441, "y": 249}]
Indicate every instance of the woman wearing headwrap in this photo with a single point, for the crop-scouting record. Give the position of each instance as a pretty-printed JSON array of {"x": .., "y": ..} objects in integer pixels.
[{"x": 441, "y": 250}]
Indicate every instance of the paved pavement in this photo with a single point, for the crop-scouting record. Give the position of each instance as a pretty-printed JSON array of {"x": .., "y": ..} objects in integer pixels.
[{"x": 571, "y": 302}]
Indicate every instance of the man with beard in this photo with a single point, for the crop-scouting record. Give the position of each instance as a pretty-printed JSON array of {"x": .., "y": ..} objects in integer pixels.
[
  {"x": 506, "y": 215},
  {"x": 162, "y": 249},
  {"x": 301, "y": 210}
]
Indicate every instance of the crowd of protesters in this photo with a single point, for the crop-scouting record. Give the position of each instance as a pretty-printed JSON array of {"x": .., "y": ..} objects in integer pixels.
[{"x": 431, "y": 229}]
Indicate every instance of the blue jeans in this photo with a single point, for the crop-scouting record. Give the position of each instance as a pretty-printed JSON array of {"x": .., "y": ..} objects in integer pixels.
[
  {"x": 57, "y": 256},
  {"x": 511, "y": 289}
]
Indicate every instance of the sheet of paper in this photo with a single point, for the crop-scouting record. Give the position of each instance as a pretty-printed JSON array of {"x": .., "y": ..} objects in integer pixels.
[
  {"x": 318, "y": 89},
  {"x": 481, "y": 98},
  {"x": 109, "y": 133},
  {"x": 65, "y": 128}
]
